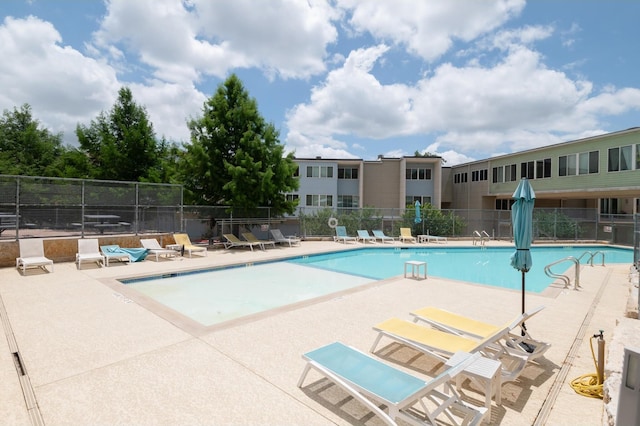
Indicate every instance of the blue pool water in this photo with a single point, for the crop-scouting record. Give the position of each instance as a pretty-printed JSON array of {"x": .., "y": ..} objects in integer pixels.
[
  {"x": 217, "y": 295},
  {"x": 487, "y": 265}
]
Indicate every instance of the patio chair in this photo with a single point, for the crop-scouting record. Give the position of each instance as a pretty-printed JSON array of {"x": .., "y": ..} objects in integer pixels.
[
  {"x": 233, "y": 241},
  {"x": 363, "y": 235},
  {"x": 88, "y": 251},
  {"x": 434, "y": 238},
  {"x": 405, "y": 235},
  {"x": 442, "y": 346},
  {"x": 517, "y": 340},
  {"x": 281, "y": 239},
  {"x": 341, "y": 235},
  {"x": 156, "y": 249},
  {"x": 187, "y": 246},
  {"x": 114, "y": 252},
  {"x": 32, "y": 254},
  {"x": 378, "y": 234},
  {"x": 407, "y": 397},
  {"x": 253, "y": 239}
]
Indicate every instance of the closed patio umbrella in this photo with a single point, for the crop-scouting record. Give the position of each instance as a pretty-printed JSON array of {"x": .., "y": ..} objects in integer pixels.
[
  {"x": 418, "y": 216},
  {"x": 522, "y": 222}
]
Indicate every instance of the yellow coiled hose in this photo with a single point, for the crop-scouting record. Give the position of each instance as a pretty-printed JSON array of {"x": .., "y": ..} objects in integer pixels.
[{"x": 587, "y": 384}]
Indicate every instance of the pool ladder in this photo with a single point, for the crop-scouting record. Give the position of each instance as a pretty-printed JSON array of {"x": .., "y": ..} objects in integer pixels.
[
  {"x": 482, "y": 236},
  {"x": 576, "y": 262}
]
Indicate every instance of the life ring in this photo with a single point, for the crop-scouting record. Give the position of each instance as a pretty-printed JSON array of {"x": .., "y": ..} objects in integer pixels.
[{"x": 333, "y": 222}]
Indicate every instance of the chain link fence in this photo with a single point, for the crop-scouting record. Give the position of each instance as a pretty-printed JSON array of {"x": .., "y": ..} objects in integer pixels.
[{"x": 57, "y": 207}]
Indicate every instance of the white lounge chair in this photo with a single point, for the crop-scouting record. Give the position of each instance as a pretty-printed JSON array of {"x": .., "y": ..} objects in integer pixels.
[
  {"x": 32, "y": 254},
  {"x": 88, "y": 251},
  {"x": 281, "y": 239},
  {"x": 156, "y": 249},
  {"x": 517, "y": 340},
  {"x": 442, "y": 346},
  {"x": 378, "y": 234},
  {"x": 372, "y": 382},
  {"x": 114, "y": 252},
  {"x": 341, "y": 235},
  {"x": 363, "y": 235}
]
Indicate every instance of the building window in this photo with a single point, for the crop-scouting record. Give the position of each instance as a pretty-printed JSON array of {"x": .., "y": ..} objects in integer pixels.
[
  {"x": 510, "y": 173},
  {"x": 296, "y": 172},
  {"x": 348, "y": 201},
  {"x": 418, "y": 174},
  {"x": 504, "y": 204},
  {"x": 620, "y": 159},
  {"x": 320, "y": 171},
  {"x": 410, "y": 200},
  {"x": 291, "y": 197},
  {"x": 460, "y": 177},
  {"x": 527, "y": 170},
  {"x": 543, "y": 168},
  {"x": 588, "y": 163},
  {"x": 347, "y": 173},
  {"x": 567, "y": 165},
  {"x": 320, "y": 200},
  {"x": 479, "y": 175}
]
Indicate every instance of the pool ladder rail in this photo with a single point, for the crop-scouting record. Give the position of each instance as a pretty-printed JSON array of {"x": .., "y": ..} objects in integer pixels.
[
  {"x": 576, "y": 262},
  {"x": 483, "y": 237}
]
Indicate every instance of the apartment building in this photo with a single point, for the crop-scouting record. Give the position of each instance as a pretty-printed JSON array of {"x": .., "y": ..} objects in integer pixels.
[
  {"x": 384, "y": 183},
  {"x": 600, "y": 172}
]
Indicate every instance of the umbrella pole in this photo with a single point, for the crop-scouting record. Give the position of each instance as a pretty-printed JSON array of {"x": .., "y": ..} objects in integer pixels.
[{"x": 523, "y": 290}]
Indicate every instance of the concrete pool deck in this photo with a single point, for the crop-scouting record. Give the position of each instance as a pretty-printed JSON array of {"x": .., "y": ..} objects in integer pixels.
[{"x": 92, "y": 355}]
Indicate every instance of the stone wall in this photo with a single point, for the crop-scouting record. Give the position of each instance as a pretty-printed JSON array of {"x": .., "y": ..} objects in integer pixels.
[{"x": 65, "y": 249}]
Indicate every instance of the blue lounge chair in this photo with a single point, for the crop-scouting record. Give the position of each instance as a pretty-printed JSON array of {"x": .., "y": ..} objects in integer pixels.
[
  {"x": 407, "y": 397},
  {"x": 363, "y": 235},
  {"x": 341, "y": 235},
  {"x": 379, "y": 235}
]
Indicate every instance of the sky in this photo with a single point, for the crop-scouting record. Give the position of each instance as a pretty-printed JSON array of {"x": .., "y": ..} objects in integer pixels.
[{"x": 340, "y": 79}]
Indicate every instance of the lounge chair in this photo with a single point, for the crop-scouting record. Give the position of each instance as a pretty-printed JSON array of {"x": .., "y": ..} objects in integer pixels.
[
  {"x": 405, "y": 235},
  {"x": 114, "y": 252},
  {"x": 407, "y": 397},
  {"x": 186, "y": 245},
  {"x": 363, "y": 235},
  {"x": 433, "y": 238},
  {"x": 233, "y": 241},
  {"x": 253, "y": 239},
  {"x": 88, "y": 251},
  {"x": 281, "y": 239},
  {"x": 341, "y": 235},
  {"x": 32, "y": 254},
  {"x": 379, "y": 235},
  {"x": 515, "y": 341},
  {"x": 156, "y": 249},
  {"x": 442, "y": 346}
]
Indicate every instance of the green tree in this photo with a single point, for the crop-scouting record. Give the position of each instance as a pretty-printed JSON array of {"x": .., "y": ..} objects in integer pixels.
[
  {"x": 235, "y": 157},
  {"x": 121, "y": 145},
  {"x": 25, "y": 147}
]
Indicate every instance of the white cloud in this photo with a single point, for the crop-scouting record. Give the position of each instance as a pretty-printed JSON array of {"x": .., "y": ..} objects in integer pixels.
[
  {"x": 429, "y": 29},
  {"x": 183, "y": 41},
  {"x": 62, "y": 86}
]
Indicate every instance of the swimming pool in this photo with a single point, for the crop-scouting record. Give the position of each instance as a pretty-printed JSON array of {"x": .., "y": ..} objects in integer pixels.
[
  {"x": 486, "y": 265},
  {"x": 218, "y": 295}
]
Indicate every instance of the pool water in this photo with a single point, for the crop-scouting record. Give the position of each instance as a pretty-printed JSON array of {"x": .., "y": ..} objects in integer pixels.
[
  {"x": 217, "y": 295},
  {"x": 481, "y": 265}
]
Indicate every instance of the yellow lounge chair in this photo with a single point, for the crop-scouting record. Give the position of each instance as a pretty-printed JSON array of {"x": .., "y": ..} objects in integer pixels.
[
  {"x": 188, "y": 247},
  {"x": 515, "y": 340},
  {"x": 233, "y": 241},
  {"x": 253, "y": 239},
  {"x": 442, "y": 345},
  {"x": 405, "y": 234}
]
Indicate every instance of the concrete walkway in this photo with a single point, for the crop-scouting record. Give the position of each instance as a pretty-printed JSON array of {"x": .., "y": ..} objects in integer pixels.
[{"x": 79, "y": 349}]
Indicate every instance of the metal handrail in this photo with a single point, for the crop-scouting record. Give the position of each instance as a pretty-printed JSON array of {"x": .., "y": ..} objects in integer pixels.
[
  {"x": 567, "y": 281},
  {"x": 482, "y": 236},
  {"x": 592, "y": 256}
]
